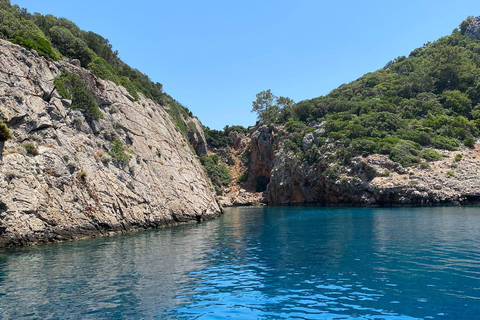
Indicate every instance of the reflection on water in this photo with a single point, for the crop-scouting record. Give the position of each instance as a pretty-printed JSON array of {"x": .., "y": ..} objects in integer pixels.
[
  {"x": 127, "y": 277},
  {"x": 260, "y": 263}
]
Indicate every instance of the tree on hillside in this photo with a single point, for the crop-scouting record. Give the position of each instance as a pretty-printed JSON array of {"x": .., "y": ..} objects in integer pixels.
[
  {"x": 264, "y": 101},
  {"x": 285, "y": 102},
  {"x": 268, "y": 106}
]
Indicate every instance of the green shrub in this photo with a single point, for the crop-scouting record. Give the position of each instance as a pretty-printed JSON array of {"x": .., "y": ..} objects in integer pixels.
[
  {"x": 450, "y": 174},
  {"x": 30, "y": 148},
  {"x": 117, "y": 152},
  {"x": 406, "y": 153},
  {"x": 385, "y": 146},
  {"x": 82, "y": 175},
  {"x": 217, "y": 172},
  {"x": 237, "y": 128},
  {"x": 71, "y": 45},
  {"x": 70, "y": 86},
  {"x": 364, "y": 146},
  {"x": 424, "y": 165},
  {"x": 290, "y": 145},
  {"x": 124, "y": 81},
  {"x": 103, "y": 70},
  {"x": 32, "y": 42},
  {"x": 469, "y": 142},
  {"x": 245, "y": 157},
  {"x": 445, "y": 143},
  {"x": 385, "y": 173},
  {"x": 458, "y": 157},
  {"x": 311, "y": 156},
  {"x": 217, "y": 138},
  {"x": 431, "y": 155},
  {"x": 243, "y": 177},
  {"x": 332, "y": 172},
  {"x": 5, "y": 133},
  {"x": 176, "y": 114},
  {"x": 61, "y": 84}
]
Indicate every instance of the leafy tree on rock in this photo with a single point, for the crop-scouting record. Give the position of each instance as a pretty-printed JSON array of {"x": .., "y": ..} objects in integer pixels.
[{"x": 268, "y": 106}]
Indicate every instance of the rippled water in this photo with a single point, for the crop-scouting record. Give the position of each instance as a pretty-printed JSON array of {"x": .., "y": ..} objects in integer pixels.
[{"x": 260, "y": 263}]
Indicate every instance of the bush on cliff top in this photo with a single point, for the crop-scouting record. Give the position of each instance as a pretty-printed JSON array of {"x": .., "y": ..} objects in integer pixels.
[
  {"x": 220, "y": 138},
  {"x": 15, "y": 27}
]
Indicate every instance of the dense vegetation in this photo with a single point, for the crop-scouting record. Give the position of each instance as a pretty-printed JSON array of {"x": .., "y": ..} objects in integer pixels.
[
  {"x": 429, "y": 99},
  {"x": 219, "y": 141},
  {"x": 220, "y": 138},
  {"x": 55, "y": 38},
  {"x": 117, "y": 152},
  {"x": 70, "y": 86},
  {"x": 217, "y": 172}
]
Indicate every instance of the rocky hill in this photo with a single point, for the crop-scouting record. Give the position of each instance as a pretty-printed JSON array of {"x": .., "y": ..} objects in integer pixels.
[
  {"x": 452, "y": 178},
  {"x": 67, "y": 172},
  {"x": 404, "y": 134}
]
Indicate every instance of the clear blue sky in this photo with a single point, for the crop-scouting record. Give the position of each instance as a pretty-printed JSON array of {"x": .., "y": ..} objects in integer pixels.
[{"x": 215, "y": 56}]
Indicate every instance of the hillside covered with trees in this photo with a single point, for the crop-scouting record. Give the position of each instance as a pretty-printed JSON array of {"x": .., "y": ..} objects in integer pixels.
[
  {"x": 59, "y": 38},
  {"x": 429, "y": 99}
]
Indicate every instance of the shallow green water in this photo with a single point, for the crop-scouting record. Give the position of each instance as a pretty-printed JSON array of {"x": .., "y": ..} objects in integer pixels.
[{"x": 260, "y": 263}]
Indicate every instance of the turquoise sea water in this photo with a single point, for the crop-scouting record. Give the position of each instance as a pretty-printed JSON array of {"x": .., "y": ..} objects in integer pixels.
[{"x": 260, "y": 263}]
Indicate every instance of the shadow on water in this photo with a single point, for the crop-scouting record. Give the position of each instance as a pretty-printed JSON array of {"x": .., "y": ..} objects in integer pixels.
[{"x": 128, "y": 277}]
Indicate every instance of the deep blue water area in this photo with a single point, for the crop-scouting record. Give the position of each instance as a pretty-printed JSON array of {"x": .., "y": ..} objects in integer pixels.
[{"x": 260, "y": 263}]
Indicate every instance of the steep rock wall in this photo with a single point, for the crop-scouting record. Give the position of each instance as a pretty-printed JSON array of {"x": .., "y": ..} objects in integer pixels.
[{"x": 72, "y": 189}]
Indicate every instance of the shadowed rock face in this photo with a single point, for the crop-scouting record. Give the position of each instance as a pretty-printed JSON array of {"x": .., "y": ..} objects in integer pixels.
[
  {"x": 262, "y": 148},
  {"x": 72, "y": 188},
  {"x": 196, "y": 136}
]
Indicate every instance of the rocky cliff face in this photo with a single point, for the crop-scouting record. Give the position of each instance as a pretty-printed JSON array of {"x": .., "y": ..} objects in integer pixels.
[
  {"x": 196, "y": 136},
  {"x": 372, "y": 180},
  {"x": 57, "y": 179},
  {"x": 376, "y": 180},
  {"x": 473, "y": 29},
  {"x": 262, "y": 151}
]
